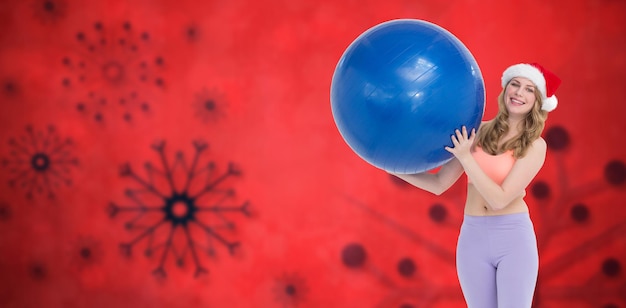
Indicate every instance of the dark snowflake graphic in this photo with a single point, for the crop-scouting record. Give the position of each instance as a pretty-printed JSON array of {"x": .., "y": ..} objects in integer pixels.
[
  {"x": 557, "y": 198},
  {"x": 209, "y": 105},
  {"x": 40, "y": 162},
  {"x": 180, "y": 210},
  {"x": 290, "y": 290},
  {"x": 412, "y": 290},
  {"x": 49, "y": 11},
  {"x": 112, "y": 73}
]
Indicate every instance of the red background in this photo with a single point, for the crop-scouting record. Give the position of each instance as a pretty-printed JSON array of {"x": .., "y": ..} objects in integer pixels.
[{"x": 89, "y": 87}]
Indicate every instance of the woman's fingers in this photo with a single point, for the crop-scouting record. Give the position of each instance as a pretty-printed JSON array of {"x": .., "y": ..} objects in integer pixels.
[
  {"x": 455, "y": 141},
  {"x": 473, "y": 134},
  {"x": 458, "y": 135},
  {"x": 461, "y": 136}
]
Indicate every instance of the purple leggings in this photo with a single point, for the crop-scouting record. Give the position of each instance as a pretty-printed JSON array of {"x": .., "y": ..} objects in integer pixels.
[{"x": 497, "y": 261}]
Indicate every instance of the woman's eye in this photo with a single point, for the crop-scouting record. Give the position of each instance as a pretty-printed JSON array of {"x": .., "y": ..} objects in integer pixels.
[{"x": 530, "y": 90}]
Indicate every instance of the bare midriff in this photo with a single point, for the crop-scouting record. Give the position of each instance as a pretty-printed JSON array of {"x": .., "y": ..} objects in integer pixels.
[{"x": 475, "y": 205}]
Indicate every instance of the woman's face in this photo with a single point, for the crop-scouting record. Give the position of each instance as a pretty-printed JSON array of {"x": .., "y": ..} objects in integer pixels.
[{"x": 519, "y": 97}]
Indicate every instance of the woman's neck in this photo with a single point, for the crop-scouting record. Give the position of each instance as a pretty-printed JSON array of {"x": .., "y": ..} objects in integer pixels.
[
  {"x": 514, "y": 125},
  {"x": 513, "y": 131}
]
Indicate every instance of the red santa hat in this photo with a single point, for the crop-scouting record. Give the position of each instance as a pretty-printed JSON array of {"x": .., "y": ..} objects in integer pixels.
[{"x": 546, "y": 81}]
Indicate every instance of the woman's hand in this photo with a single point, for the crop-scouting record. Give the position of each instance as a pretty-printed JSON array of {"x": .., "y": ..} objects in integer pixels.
[{"x": 462, "y": 143}]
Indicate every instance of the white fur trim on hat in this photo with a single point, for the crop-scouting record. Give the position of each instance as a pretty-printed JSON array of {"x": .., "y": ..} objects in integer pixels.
[{"x": 534, "y": 75}]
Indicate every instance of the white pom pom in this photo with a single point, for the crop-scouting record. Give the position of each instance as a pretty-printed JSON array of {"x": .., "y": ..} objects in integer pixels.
[{"x": 550, "y": 103}]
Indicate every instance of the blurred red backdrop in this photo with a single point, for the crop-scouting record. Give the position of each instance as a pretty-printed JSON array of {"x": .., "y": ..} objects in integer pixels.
[{"x": 107, "y": 105}]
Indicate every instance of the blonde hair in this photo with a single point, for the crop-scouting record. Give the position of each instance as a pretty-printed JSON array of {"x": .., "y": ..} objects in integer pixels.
[{"x": 531, "y": 128}]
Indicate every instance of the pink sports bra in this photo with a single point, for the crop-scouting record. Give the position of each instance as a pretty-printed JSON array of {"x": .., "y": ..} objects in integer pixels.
[{"x": 497, "y": 167}]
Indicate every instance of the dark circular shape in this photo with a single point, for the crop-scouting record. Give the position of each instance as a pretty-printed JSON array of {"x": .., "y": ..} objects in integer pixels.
[
  {"x": 180, "y": 209},
  {"x": 180, "y": 262},
  {"x": 9, "y": 87},
  {"x": 405, "y": 305},
  {"x": 38, "y": 271},
  {"x": 85, "y": 253},
  {"x": 540, "y": 190},
  {"x": 290, "y": 290},
  {"x": 192, "y": 33},
  {"x": 353, "y": 255},
  {"x": 66, "y": 82},
  {"x": 579, "y": 212},
  {"x": 610, "y": 305},
  {"x": 557, "y": 138},
  {"x": 40, "y": 162},
  {"x": 80, "y": 36},
  {"x": 113, "y": 71},
  {"x": 145, "y": 36},
  {"x": 49, "y": 6},
  {"x": 615, "y": 172},
  {"x": 159, "y": 61},
  {"x": 406, "y": 267},
  {"x": 438, "y": 212},
  {"x": 611, "y": 267},
  {"x": 209, "y": 105},
  {"x": 127, "y": 26},
  {"x": 97, "y": 26},
  {"x": 5, "y": 212}
]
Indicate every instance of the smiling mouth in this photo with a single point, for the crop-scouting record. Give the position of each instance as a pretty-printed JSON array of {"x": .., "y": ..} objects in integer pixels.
[{"x": 517, "y": 102}]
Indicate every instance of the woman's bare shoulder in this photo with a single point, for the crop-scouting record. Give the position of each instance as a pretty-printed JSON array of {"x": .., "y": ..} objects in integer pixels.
[
  {"x": 540, "y": 143},
  {"x": 538, "y": 148}
]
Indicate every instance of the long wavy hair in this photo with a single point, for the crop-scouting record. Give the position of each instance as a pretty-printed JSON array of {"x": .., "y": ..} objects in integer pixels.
[{"x": 490, "y": 133}]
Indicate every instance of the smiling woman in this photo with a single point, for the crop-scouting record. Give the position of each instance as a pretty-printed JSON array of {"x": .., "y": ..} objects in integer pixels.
[
  {"x": 525, "y": 77},
  {"x": 497, "y": 245}
]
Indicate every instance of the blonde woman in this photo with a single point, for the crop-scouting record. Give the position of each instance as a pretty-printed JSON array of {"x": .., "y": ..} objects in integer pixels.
[{"x": 497, "y": 259}]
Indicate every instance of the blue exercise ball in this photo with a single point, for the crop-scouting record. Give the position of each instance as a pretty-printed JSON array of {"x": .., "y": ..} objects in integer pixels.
[{"x": 401, "y": 89}]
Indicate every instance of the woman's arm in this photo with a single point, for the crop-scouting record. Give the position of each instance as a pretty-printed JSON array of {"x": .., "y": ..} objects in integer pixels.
[
  {"x": 514, "y": 185},
  {"x": 436, "y": 183}
]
